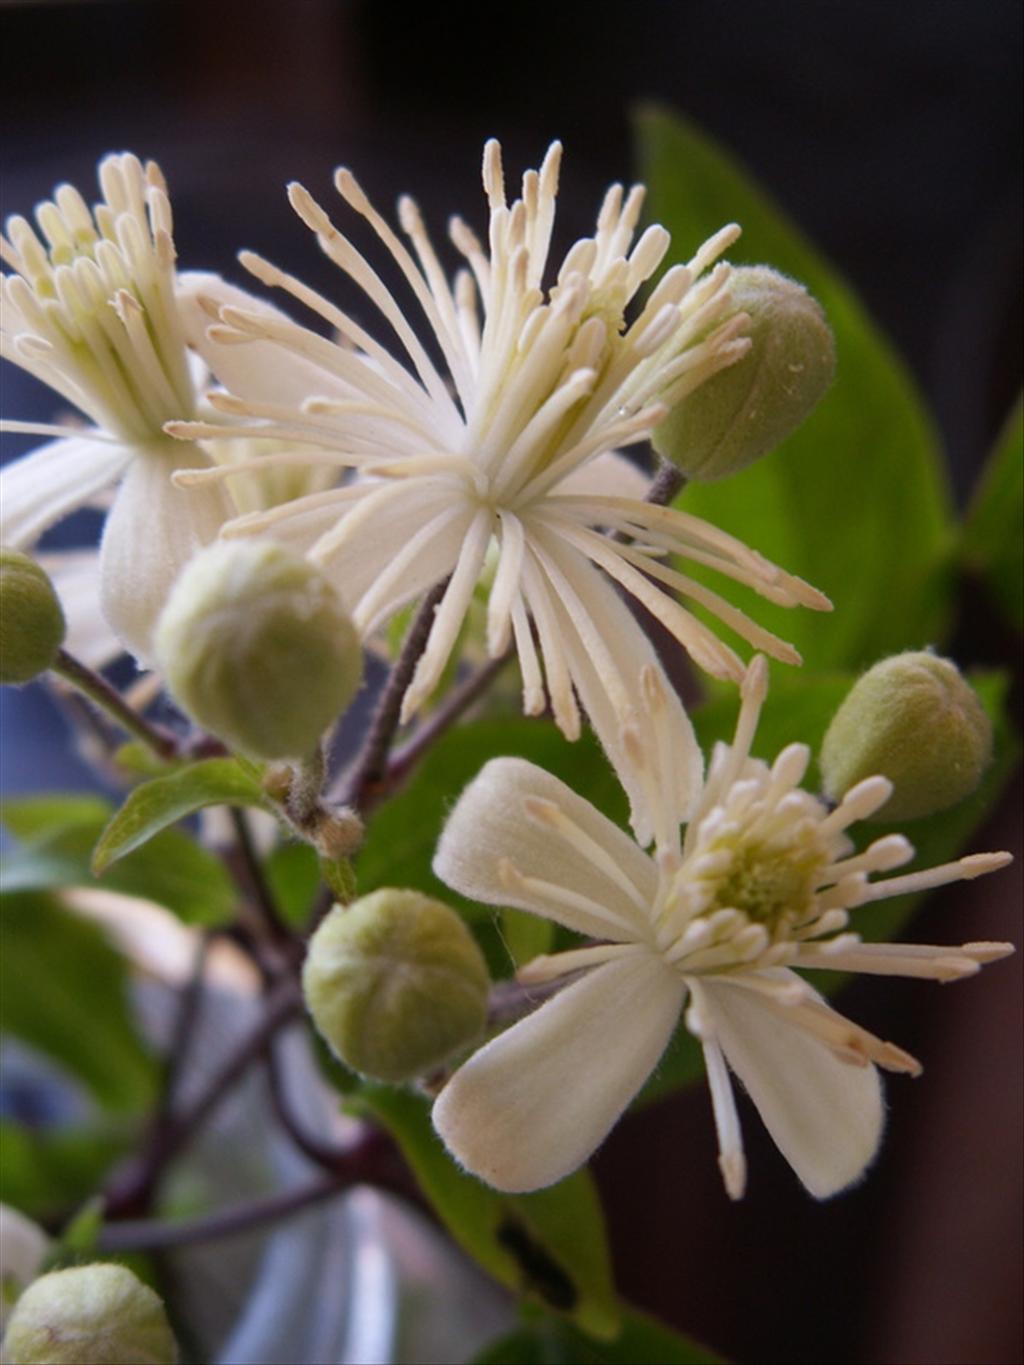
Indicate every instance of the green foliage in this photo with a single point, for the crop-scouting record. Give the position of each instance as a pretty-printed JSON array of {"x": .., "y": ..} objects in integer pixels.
[
  {"x": 993, "y": 546},
  {"x": 854, "y": 501},
  {"x": 403, "y": 834},
  {"x": 643, "y": 1340},
  {"x": 63, "y": 990},
  {"x": 161, "y": 802},
  {"x": 293, "y": 874},
  {"x": 60, "y": 833},
  {"x": 549, "y": 1247},
  {"x": 46, "y": 1170}
]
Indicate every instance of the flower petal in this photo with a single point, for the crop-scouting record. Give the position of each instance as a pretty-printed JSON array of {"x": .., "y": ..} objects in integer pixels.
[
  {"x": 58, "y": 478},
  {"x": 76, "y": 576},
  {"x": 255, "y": 370},
  {"x": 608, "y": 881},
  {"x": 153, "y": 529},
  {"x": 607, "y": 475},
  {"x": 824, "y": 1113},
  {"x": 534, "y": 1103}
]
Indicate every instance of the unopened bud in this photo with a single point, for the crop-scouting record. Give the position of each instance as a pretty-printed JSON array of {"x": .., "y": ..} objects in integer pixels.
[
  {"x": 31, "y": 619},
  {"x": 749, "y": 408},
  {"x": 395, "y": 983},
  {"x": 257, "y": 646},
  {"x": 914, "y": 719},
  {"x": 89, "y": 1315}
]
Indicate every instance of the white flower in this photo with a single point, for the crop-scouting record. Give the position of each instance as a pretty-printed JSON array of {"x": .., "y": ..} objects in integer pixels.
[
  {"x": 762, "y": 883},
  {"x": 95, "y": 310},
  {"x": 511, "y": 442}
]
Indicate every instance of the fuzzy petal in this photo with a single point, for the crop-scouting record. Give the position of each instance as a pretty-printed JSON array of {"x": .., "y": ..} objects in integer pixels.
[
  {"x": 491, "y": 826},
  {"x": 531, "y": 1106},
  {"x": 824, "y": 1114},
  {"x": 152, "y": 531},
  {"x": 76, "y": 576},
  {"x": 256, "y": 370},
  {"x": 41, "y": 488}
]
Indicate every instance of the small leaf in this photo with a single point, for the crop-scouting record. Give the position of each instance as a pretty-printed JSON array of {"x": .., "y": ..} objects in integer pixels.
[
  {"x": 63, "y": 990},
  {"x": 163, "y": 801},
  {"x": 292, "y": 871},
  {"x": 32, "y": 817},
  {"x": 170, "y": 869},
  {"x": 43, "y": 1171},
  {"x": 855, "y": 501},
  {"x": 993, "y": 546},
  {"x": 642, "y": 1341},
  {"x": 549, "y": 1246}
]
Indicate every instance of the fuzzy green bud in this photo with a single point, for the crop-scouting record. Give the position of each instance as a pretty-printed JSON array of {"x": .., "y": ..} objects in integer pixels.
[
  {"x": 257, "y": 646},
  {"x": 750, "y": 407},
  {"x": 914, "y": 719},
  {"x": 31, "y": 620},
  {"x": 395, "y": 983},
  {"x": 89, "y": 1315}
]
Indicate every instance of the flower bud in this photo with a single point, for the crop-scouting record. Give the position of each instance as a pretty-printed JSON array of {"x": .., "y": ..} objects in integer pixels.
[
  {"x": 749, "y": 408},
  {"x": 89, "y": 1315},
  {"x": 257, "y": 646},
  {"x": 23, "y": 1246},
  {"x": 914, "y": 719},
  {"x": 31, "y": 619},
  {"x": 395, "y": 983}
]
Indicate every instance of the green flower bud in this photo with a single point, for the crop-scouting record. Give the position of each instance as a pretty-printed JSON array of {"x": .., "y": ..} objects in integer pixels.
[
  {"x": 749, "y": 408},
  {"x": 89, "y": 1315},
  {"x": 257, "y": 646},
  {"x": 914, "y": 719},
  {"x": 395, "y": 983},
  {"x": 31, "y": 619}
]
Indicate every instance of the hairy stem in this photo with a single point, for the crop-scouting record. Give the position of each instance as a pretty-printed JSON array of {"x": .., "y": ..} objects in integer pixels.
[{"x": 92, "y": 685}]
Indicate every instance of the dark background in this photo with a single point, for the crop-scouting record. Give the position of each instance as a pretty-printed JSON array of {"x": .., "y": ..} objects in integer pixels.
[{"x": 890, "y": 131}]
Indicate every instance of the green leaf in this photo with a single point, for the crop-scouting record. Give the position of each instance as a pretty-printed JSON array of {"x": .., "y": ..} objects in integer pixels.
[
  {"x": 161, "y": 802},
  {"x": 292, "y": 871},
  {"x": 993, "y": 547},
  {"x": 403, "y": 834},
  {"x": 855, "y": 501},
  {"x": 549, "y": 1246},
  {"x": 63, "y": 990},
  {"x": 44, "y": 1171},
  {"x": 170, "y": 869},
  {"x": 643, "y": 1341},
  {"x": 526, "y": 936}
]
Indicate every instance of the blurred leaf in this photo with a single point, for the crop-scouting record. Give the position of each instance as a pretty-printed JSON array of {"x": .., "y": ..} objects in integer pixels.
[
  {"x": 526, "y": 936},
  {"x": 403, "y": 834},
  {"x": 292, "y": 871},
  {"x": 642, "y": 1341},
  {"x": 855, "y": 501},
  {"x": 60, "y": 836},
  {"x": 77, "y": 1242},
  {"x": 549, "y": 1246},
  {"x": 63, "y": 990},
  {"x": 799, "y": 708},
  {"x": 155, "y": 805},
  {"x": 44, "y": 1171},
  {"x": 993, "y": 544}
]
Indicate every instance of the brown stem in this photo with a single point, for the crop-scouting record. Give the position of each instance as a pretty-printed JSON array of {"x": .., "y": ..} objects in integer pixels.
[
  {"x": 249, "y": 872},
  {"x": 368, "y": 768},
  {"x": 92, "y": 685},
  {"x": 320, "y": 1153},
  {"x": 668, "y": 483}
]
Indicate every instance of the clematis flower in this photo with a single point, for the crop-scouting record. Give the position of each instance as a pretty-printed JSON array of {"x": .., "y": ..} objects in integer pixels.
[
  {"x": 716, "y": 921},
  {"x": 96, "y": 311},
  {"x": 511, "y": 442}
]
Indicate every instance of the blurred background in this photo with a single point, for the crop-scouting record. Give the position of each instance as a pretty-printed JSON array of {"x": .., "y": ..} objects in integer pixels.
[{"x": 891, "y": 134}]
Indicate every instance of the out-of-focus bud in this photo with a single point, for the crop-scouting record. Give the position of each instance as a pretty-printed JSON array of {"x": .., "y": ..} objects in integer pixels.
[
  {"x": 749, "y": 408},
  {"x": 257, "y": 646},
  {"x": 23, "y": 1245},
  {"x": 395, "y": 983},
  {"x": 31, "y": 619},
  {"x": 89, "y": 1315},
  {"x": 914, "y": 719}
]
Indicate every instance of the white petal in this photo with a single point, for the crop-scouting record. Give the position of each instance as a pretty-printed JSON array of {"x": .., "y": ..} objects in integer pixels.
[
  {"x": 256, "y": 370},
  {"x": 41, "y": 488},
  {"x": 824, "y": 1114},
  {"x": 490, "y": 826},
  {"x": 76, "y": 576},
  {"x": 531, "y": 1106},
  {"x": 152, "y": 531},
  {"x": 607, "y": 475}
]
